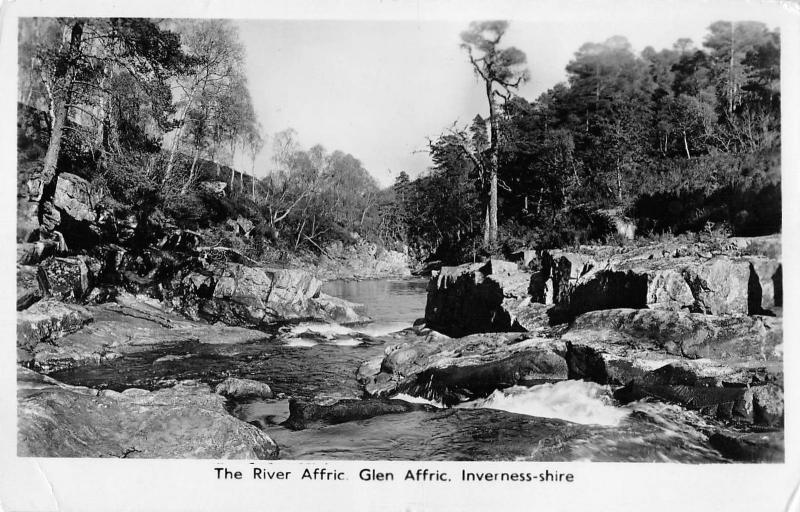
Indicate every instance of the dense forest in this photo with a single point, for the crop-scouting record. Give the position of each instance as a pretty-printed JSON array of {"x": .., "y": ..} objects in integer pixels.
[
  {"x": 158, "y": 115},
  {"x": 676, "y": 140}
]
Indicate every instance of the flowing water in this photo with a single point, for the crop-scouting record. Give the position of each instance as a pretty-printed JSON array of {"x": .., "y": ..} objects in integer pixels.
[{"x": 571, "y": 420}]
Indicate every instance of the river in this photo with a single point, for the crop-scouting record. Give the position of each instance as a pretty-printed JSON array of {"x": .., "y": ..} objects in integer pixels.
[{"x": 571, "y": 420}]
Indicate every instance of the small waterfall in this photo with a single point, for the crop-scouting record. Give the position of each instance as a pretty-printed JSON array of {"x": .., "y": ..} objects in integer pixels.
[{"x": 572, "y": 400}]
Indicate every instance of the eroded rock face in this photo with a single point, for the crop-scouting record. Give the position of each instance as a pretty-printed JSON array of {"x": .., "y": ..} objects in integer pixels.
[
  {"x": 658, "y": 277},
  {"x": 185, "y": 421},
  {"x": 477, "y": 297},
  {"x": 75, "y": 197},
  {"x": 691, "y": 335},
  {"x": 452, "y": 370},
  {"x": 242, "y": 295}
]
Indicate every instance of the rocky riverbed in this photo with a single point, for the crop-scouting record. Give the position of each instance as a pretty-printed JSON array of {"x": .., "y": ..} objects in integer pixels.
[{"x": 142, "y": 341}]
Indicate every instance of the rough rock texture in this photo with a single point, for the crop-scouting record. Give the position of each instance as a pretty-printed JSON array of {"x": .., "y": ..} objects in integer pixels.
[
  {"x": 305, "y": 414},
  {"x": 361, "y": 260},
  {"x": 75, "y": 198},
  {"x": 242, "y": 388},
  {"x": 452, "y": 370},
  {"x": 64, "y": 278},
  {"x": 477, "y": 297},
  {"x": 661, "y": 276},
  {"x": 749, "y": 447},
  {"x": 29, "y": 289},
  {"x": 27, "y": 219},
  {"x": 30, "y": 253},
  {"x": 48, "y": 320},
  {"x": 128, "y": 326},
  {"x": 767, "y": 293},
  {"x": 768, "y": 405},
  {"x": 185, "y": 421},
  {"x": 692, "y": 335},
  {"x": 240, "y": 295},
  {"x": 723, "y": 403}
]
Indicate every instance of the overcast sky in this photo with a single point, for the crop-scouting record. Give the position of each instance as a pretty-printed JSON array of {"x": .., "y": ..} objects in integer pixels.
[{"x": 378, "y": 89}]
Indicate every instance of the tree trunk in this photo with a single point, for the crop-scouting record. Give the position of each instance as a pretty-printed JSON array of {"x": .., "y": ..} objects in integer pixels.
[
  {"x": 61, "y": 101},
  {"x": 490, "y": 236},
  {"x": 686, "y": 146},
  {"x": 190, "y": 179}
]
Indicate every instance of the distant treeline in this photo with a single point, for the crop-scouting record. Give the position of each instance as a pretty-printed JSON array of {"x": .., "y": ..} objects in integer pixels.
[{"x": 680, "y": 139}]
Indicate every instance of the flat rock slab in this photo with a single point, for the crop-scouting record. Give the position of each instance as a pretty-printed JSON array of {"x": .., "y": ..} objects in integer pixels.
[
  {"x": 690, "y": 335},
  {"x": 49, "y": 320},
  {"x": 185, "y": 421},
  {"x": 304, "y": 414},
  {"x": 120, "y": 329}
]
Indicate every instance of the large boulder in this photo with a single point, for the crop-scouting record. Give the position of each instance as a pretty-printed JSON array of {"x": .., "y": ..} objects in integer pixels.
[
  {"x": 185, "y": 421},
  {"x": 65, "y": 278},
  {"x": 243, "y": 388},
  {"x": 76, "y": 198},
  {"x": 452, "y": 370},
  {"x": 476, "y": 297},
  {"x": 76, "y": 201}
]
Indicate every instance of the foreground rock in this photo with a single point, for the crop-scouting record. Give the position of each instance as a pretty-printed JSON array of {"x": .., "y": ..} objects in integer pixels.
[
  {"x": 243, "y": 388},
  {"x": 130, "y": 326},
  {"x": 306, "y": 414},
  {"x": 749, "y": 447},
  {"x": 185, "y": 421},
  {"x": 452, "y": 370}
]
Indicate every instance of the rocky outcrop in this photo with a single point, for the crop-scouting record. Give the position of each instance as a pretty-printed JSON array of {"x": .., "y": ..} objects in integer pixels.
[
  {"x": 477, "y": 297},
  {"x": 452, "y": 370},
  {"x": 691, "y": 335},
  {"x": 360, "y": 260},
  {"x": 236, "y": 294},
  {"x": 185, "y": 421},
  {"x": 243, "y": 388},
  {"x": 659, "y": 277}
]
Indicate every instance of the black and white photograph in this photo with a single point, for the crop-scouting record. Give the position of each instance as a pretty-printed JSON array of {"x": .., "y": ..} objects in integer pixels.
[{"x": 517, "y": 244}]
